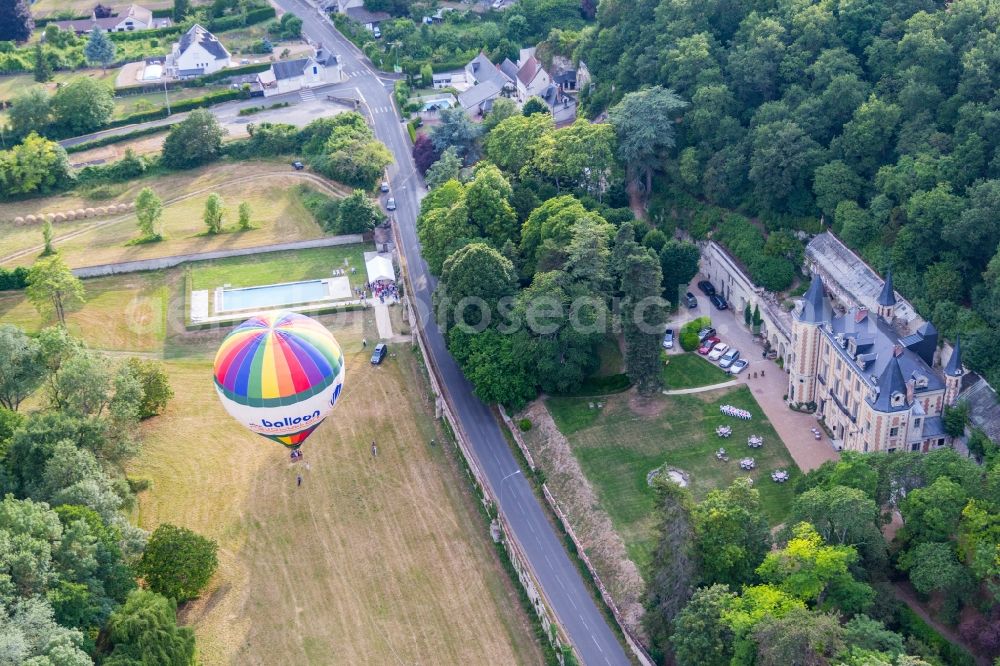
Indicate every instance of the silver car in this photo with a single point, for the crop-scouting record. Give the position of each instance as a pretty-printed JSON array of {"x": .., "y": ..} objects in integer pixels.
[
  {"x": 668, "y": 339},
  {"x": 729, "y": 358}
]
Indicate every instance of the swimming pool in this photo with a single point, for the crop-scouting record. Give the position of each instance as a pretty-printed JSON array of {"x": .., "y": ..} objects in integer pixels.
[
  {"x": 444, "y": 103},
  {"x": 272, "y": 295}
]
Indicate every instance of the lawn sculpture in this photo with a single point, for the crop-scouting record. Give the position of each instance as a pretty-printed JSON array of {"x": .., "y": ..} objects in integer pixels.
[{"x": 280, "y": 374}]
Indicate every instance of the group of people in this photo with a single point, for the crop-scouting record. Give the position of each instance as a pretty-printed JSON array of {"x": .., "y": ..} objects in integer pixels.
[
  {"x": 383, "y": 289},
  {"x": 736, "y": 412}
]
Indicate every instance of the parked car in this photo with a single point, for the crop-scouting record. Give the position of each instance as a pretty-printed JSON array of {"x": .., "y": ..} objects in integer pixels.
[
  {"x": 298, "y": 166},
  {"x": 738, "y": 366},
  {"x": 690, "y": 301},
  {"x": 668, "y": 339},
  {"x": 379, "y": 354},
  {"x": 729, "y": 358},
  {"x": 707, "y": 344},
  {"x": 376, "y": 32},
  {"x": 706, "y": 332},
  {"x": 717, "y": 351},
  {"x": 706, "y": 287},
  {"x": 390, "y": 204},
  {"x": 385, "y": 186},
  {"x": 718, "y": 301}
]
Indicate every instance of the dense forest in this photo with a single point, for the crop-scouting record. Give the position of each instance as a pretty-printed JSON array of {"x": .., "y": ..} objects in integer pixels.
[
  {"x": 878, "y": 116},
  {"x": 824, "y": 588}
]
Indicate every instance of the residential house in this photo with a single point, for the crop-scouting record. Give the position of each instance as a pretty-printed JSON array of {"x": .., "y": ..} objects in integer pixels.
[
  {"x": 197, "y": 53},
  {"x": 366, "y": 18},
  {"x": 532, "y": 79},
  {"x": 129, "y": 19},
  {"x": 290, "y": 75}
]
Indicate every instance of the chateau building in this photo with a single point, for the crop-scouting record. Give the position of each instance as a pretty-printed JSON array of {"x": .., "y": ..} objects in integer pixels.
[{"x": 874, "y": 390}]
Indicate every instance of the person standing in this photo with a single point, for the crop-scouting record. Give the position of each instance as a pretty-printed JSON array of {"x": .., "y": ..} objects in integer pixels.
[
  {"x": 374, "y": 450},
  {"x": 298, "y": 480}
]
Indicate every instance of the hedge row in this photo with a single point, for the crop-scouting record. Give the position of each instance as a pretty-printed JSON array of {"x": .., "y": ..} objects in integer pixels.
[
  {"x": 117, "y": 138},
  {"x": 16, "y": 278},
  {"x": 221, "y": 24}
]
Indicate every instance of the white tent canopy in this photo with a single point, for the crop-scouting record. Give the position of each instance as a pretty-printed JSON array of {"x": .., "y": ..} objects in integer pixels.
[{"x": 379, "y": 267}]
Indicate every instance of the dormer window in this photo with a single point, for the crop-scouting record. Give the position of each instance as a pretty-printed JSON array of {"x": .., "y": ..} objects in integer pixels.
[{"x": 898, "y": 399}]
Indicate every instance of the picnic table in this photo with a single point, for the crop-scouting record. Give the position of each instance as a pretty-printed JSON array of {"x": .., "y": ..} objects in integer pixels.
[
  {"x": 755, "y": 441},
  {"x": 779, "y": 476},
  {"x": 748, "y": 463}
]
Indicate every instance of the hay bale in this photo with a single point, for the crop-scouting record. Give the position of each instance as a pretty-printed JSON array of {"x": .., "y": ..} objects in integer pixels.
[
  {"x": 89, "y": 212},
  {"x": 131, "y": 205},
  {"x": 122, "y": 208},
  {"x": 70, "y": 215},
  {"x": 102, "y": 210},
  {"x": 18, "y": 220},
  {"x": 51, "y": 217},
  {"x": 58, "y": 217},
  {"x": 29, "y": 219},
  {"x": 80, "y": 213}
]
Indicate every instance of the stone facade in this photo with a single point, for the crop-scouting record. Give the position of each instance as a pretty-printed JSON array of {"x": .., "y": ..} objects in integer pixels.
[
  {"x": 739, "y": 290},
  {"x": 873, "y": 389}
]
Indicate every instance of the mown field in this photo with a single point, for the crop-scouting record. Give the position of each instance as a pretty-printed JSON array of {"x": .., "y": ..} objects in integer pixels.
[
  {"x": 619, "y": 444},
  {"x": 277, "y": 216},
  {"x": 370, "y": 561}
]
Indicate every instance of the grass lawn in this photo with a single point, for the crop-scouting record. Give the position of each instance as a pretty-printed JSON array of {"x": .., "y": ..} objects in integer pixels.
[
  {"x": 611, "y": 358},
  {"x": 277, "y": 214},
  {"x": 13, "y": 85},
  {"x": 129, "y": 104},
  {"x": 691, "y": 371},
  {"x": 124, "y": 312},
  {"x": 619, "y": 444},
  {"x": 275, "y": 267},
  {"x": 370, "y": 561}
]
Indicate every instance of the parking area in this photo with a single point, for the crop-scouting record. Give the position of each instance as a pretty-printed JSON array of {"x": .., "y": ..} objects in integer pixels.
[{"x": 769, "y": 386}]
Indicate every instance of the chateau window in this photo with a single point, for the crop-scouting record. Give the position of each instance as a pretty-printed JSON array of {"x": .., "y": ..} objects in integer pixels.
[
  {"x": 866, "y": 447},
  {"x": 915, "y": 446},
  {"x": 838, "y": 365},
  {"x": 916, "y": 423},
  {"x": 893, "y": 432},
  {"x": 940, "y": 442}
]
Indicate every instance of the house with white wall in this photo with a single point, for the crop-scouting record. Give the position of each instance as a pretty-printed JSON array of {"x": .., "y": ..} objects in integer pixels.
[
  {"x": 132, "y": 18},
  {"x": 291, "y": 75},
  {"x": 198, "y": 52}
]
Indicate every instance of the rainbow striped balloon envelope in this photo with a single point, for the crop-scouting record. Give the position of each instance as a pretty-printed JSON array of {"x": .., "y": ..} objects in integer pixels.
[{"x": 280, "y": 374}]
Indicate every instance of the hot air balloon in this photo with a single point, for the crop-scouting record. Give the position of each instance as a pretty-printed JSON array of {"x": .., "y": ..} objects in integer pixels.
[{"x": 280, "y": 374}]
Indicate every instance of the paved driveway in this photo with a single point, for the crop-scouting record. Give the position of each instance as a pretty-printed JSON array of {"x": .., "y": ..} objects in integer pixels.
[{"x": 769, "y": 389}]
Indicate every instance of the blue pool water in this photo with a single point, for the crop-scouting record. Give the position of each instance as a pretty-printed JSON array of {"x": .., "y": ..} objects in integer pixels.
[{"x": 273, "y": 295}]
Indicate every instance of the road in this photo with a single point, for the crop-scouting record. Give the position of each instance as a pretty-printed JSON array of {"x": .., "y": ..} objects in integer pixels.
[{"x": 560, "y": 580}]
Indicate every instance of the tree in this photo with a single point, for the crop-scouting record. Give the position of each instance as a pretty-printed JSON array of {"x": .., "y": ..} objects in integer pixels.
[
  {"x": 678, "y": 263},
  {"x": 487, "y": 198},
  {"x": 534, "y": 105},
  {"x": 502, "y": 109},
  {"x": 35, "y": 165},
  {"x": 358, "y": 213},
  {"x": 30, "y": 112},
  {"x": 426, "y": 76},
  {"x": 513, "y": 143},
  {"x": 82, "y": 105},
  {"x": 244, "y": 213},
  {"x": 43, "y": 68},
  {"x": 99, "y": 49},
  {"x": 835, "y": 182},
  {"x": 644, "y": 124},
  {"x": 816, "y": 573},
  {"x": 424, "y": 153},
  {"x": 701, "y": 636},
  {"x": 443, "y": 231},
  {"x": 148, "y": 210},
  {"x": 456, "y": 131},
  {"x": 843, "y": 516},
  {"x": 53, "y": 289},
  {"x": 447, "y": 167},
  {"x": 16, "y": 24},
  {"x": 800, "y": 637},
  {"x": 581, "y": 155},
  {"x": 732, "y": 534},
  {"x": 862, "y": 632},
  {"x": 643, "y": 319},
  {"x": 144, "y": 631},
  {"x": 932, "y": 513},
  {"x": 675, "y": 566},
  {"x": 934, "y": 567},
  {"x": 215, "y": 210},
  {"x": 474, "y": 281},
  {"x": 156, "y": 391},
  {"x": 194, "y": 141},
  {"x": 782, "y": 161},
  {"x": 21, "y": 370},
  {"x": 955, "y": 418},
  {"x": 177, "y": 562},
  {"x": 47, "y": 248},
  {"x": 496, "y": 364},
  {"x": 181, "y": 8},
  {"x": 31, "y": 635}
]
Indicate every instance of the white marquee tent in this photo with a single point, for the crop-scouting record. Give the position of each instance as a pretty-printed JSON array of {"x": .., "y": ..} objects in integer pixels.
[{"x": 379, "y": 267}]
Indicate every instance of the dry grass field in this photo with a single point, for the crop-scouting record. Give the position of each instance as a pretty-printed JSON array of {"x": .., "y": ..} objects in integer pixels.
[
  {"x": 371, "y": 561},
  {"x": 277, "y": 214}
]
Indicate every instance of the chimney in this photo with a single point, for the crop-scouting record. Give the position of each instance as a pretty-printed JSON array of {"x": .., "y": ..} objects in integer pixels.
[
  {"x": 897, "y": 351},
  {"x": 909, "y": 392},
  {"x": 860, "y": 315}
]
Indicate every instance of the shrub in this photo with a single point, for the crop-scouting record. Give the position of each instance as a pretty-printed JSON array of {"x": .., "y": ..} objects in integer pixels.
[
  {"x": 178, "y": 563},
  {"x": 688, "y": 336},
  {"x": 524, "y": 425}
]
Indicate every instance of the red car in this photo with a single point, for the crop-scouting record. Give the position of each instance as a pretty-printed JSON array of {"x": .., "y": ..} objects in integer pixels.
[{"x": 707, "y": 344}]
